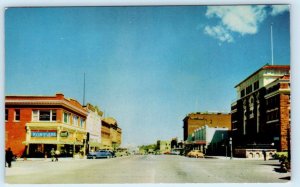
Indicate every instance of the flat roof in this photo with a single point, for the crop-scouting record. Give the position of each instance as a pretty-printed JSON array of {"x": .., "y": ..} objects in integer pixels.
[{"x": 267, "y": 66}]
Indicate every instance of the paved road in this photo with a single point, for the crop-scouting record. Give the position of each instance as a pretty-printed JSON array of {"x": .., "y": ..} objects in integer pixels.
[{"x": 145, "y": 169}]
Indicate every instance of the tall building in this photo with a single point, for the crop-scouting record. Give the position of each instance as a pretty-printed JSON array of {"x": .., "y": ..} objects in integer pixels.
[
  {"x": 261, "y": 113},
  {"x": 36, "y": 124},
  {"x": 194, "y": 121}
]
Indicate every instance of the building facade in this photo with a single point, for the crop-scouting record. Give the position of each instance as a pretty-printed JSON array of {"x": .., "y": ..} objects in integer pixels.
[
  {"x": 260, "y": 115},
  {"x": 111, "y": 134},
  {"x": 209, "y": 140},
  {"x": 164, "y": 146},
  {"x": 93, "y": 127},
  {"x": 36, "y": 124},
  {"x": 194, "y": 121}
]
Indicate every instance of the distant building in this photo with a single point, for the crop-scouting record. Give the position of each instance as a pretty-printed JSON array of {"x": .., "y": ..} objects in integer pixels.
[
  {"x": 164, "y": 146},
  {"x": 210, "y": 140},
  {"x": 194, "y": 121},
  {"x": 261, "y": 113},
  {"x": 36, "y": 124},
  {"x": 93, "y": 127},
  {"x": 111, "y": 134}
]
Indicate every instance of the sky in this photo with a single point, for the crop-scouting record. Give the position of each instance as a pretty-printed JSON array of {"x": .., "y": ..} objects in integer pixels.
[{"x": 146, "y": 66}]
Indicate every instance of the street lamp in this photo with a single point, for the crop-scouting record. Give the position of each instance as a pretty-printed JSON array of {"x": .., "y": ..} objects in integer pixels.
[{"x": 230, "y": 143}]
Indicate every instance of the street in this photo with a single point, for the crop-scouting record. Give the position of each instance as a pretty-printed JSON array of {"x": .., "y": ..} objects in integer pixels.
[{"x": 145, "y": 169}]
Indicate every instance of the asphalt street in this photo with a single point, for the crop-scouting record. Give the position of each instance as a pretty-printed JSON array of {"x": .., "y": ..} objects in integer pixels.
[{"x": 145, "y": 169}]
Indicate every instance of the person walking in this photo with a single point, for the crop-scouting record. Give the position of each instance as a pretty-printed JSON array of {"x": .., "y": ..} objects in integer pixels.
[
  {"x": 52, "y": 153},
  {"x": 56, "y": 155},
  {"x": 264, "y": 154},
  {"x": 8, "y": 156}
]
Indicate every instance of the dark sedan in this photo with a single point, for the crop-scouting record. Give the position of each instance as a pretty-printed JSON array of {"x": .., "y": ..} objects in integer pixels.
[{"x": 99, "y": 154}]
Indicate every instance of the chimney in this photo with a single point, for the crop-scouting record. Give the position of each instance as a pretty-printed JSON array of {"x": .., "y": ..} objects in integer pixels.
[{"x": 59, "y": 96}]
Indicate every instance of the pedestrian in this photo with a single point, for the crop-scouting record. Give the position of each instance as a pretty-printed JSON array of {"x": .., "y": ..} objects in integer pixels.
[
  {"x": 264, "y": 154},
  {"x": 8, "y": 156},
  {"x": 56, "y": 155},
  {"x": 52, "y": 153}
]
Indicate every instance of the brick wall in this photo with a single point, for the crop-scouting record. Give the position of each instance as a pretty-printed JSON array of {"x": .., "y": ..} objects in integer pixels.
[
  {"x": 15, "y": 130},
  {"x": 285, "y": 120}
]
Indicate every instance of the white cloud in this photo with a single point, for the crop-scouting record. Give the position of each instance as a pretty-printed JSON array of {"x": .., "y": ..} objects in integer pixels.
[
  {"x": 279, "y": 9},
  {"x": 219, "y": 32},
  {"x": 241, "y": 19}
]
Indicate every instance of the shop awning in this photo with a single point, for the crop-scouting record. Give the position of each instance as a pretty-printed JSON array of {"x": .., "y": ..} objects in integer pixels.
[{"x": 51, "y": 142}]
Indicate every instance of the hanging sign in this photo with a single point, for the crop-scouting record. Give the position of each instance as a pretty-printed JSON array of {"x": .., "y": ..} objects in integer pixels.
[{"x": 64, "y": 134}]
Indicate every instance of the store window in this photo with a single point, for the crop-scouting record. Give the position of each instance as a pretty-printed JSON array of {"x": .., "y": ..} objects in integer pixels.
[{"x": 17, "y": 115}]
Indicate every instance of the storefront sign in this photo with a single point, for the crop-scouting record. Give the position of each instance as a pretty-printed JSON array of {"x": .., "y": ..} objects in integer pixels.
[
  {"x": 43, "y": 134},
  {"x": 64, "y": 134}
]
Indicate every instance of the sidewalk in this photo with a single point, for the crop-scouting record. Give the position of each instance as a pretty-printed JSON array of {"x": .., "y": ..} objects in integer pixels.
[
  {"x": 234, "y": 158},
  {"x": 48, "y": 159}
]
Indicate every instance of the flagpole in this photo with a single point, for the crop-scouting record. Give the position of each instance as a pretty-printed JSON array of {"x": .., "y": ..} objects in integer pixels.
[{"x": 272, "y": 44}]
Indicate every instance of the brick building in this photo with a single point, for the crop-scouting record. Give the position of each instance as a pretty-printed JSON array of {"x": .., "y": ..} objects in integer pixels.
[
  {"x": 194, "y": 121},
  {"x": 36, "y": 124},
  {"x": 260, "y": 115}
]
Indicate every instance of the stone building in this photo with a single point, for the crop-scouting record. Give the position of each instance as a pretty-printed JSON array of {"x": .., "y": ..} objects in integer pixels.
[{"x": 260, "y": 115}]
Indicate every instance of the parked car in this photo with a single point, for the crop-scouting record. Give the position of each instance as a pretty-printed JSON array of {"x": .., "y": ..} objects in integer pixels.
[
  {"x": 99, "y": 154},
  {"x": 196, "y": 154}
]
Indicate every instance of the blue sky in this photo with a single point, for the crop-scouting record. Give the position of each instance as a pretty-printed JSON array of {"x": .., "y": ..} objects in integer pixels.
[{"x": 145, "y": 66}]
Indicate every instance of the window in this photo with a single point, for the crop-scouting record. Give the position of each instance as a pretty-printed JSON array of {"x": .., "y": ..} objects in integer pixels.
[
  {"x": 249, "y": 89},
  {"x": 66, "y": 117},
  {"x": 243, "y": 93},
  {"x": 43, "y": 115},
  {"x": 6, "y": 114},
  {"x": 75, "y": 120},
  {"x": 53, "y": 118},
  {"x": 17, "y": 115},
  {"x": 256, "y": 85},
  {"x": 81, "y": 122}
]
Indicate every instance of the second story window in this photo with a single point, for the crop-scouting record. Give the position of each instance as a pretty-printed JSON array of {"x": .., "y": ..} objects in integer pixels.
[
  {"x": 75, "y": 120},
  {"x": 17, "y": 115},
  {"x": 6, "y": 114},
  {"x": 66, "y": 117},
  {"x": 43, "y": 115},
  {"x": 81, "y": 122}
]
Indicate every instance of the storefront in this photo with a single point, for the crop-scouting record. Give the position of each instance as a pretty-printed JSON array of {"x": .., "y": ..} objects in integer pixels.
[{"x": 42, "y": 137}]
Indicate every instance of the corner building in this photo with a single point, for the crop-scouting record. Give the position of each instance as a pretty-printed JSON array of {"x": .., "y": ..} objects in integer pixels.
[
  {"x": 261, "y": 113},
  {"x": 36, "y": 124}
]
